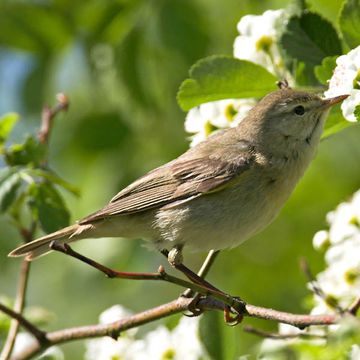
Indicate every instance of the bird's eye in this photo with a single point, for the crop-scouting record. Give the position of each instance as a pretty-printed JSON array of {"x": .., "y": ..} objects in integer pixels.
[{"x": 299, "y": 110}]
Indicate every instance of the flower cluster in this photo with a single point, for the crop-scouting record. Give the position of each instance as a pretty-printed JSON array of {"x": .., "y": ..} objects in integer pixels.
[
  {"x": 340, "y": 281},
  {"x": 212, "y": 116},
  {"x": 346, "y": 80},
  {"x": 257, "y": 41},
  {"x": 159, "y": 344}
]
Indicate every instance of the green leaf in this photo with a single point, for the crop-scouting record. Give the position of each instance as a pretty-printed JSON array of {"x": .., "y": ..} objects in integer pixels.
[
  {"x": 217, "y": 338},
  {"x": 357, "y": 112},
  {"x": 222, "y": 77},
  {"x": 324, "y": 71},
  {"x": 336, "y": 122},
  {"x": 310, "y": 38},
  {"x": 349, "y": 22},
  {"x": 37, "y": 28},
  {"x": 10, "y": 182},
  {"x": 54, "y": 178},
  {"x": 7, "y": 122},
  {"x": 179, "y": 21},
  {"x": 30, "y": 152},
  {"x": 48, "y": 206}
]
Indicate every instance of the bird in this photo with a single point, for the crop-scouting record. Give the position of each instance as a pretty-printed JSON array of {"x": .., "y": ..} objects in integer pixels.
[{"x": 220, "y": 192}]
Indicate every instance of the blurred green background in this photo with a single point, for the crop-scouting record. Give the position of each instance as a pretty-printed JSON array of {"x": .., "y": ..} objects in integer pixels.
[{"x": 120, "y": 63}]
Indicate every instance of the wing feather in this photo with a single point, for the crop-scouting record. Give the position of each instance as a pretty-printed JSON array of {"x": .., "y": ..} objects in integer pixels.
[{"x": 176, "y": 182}]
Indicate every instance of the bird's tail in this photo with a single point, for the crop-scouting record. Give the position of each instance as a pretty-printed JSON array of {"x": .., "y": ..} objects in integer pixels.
[{"x": 39, "y": 247}]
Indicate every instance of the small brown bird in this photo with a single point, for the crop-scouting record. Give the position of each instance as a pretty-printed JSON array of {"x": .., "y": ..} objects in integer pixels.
[{"x": 218, "y": 193}]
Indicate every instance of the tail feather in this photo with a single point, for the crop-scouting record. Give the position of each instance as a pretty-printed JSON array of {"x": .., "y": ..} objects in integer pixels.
[{"x": 39, "y": 247}]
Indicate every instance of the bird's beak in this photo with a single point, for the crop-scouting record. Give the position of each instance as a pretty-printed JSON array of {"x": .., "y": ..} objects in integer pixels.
[{"x": 332, "y": 101}]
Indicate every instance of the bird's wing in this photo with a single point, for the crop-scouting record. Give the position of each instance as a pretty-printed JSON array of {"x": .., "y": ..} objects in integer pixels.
[{"x": 179, "y": 180}]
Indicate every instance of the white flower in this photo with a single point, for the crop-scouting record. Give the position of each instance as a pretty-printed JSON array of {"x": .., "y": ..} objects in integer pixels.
[
  {"x": 106, "y": 348},
  {"x": 346, "y": 80},
  {"x": 181, "y": 343},
  {"x": 209, "y": 117},
  {"x": 344, "y": 220},
  {"x": 321, "y": 239},
  {"x": 355, "y": 352},
  {"x": 257, "y": 40},
  {"x": 23, "y": 340}
]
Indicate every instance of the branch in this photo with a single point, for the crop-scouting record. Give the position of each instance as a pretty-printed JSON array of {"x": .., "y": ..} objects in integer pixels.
[
  {"x": 174, "y": 307},
  {"x": 277, "y": 336},
  {"x": 48, "y": 115},
  {"x": 27, "y": 236},
  {"x": 31, "y": 328},
  {"x": 18, "y": 307}
]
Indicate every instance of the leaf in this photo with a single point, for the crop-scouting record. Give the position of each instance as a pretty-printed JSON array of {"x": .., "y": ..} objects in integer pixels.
[
  {"x": 357, "y": 112},
  {"x": 54, "y": 178},
  {"x": 310, "y": 38},
  {"x": 37, "y": 28},
  {"x": 48, "y": 206},
  {"x": 7, "y": 122},
  {"x": 9, "y": 184},
  {"x": 324, "y": 71},
  {"x": 349, "y": 22},
  {"x": 30, "y": 152},
  {"x": 336, "y": 122},
  {"x": 179, "y": 21},
  {"x": 217, "y": 338},
  {"x": 222, "y": 77}
]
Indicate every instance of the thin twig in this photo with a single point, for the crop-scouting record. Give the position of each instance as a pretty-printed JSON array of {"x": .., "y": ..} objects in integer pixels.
[
  {"x": 237, "y": 304},
  {"x": 315, "y": 287},
  {"x": 18, "y": 307},
  {"x": 278, "y": 336},
  {"x": 48, "y": 115},
  {"x": 212, "y": 255},
  {"x": 27, "y": 325},
  {"x": 27, "y": 236},
  {"x": 205, "y": 268},
  {"x": 174, "y": 307}
]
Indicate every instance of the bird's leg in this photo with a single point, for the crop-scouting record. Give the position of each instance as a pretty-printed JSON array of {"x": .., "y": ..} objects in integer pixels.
[
  {"x": 205, "y": 267},
  {"x": 67, "y": 250},
  {"x": 175, "y": 259}
]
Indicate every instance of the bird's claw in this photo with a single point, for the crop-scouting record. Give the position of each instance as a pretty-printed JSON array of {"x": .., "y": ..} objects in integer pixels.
[
  {"x": 232, "y": 317},
  {"x": 192, "y": 307}
]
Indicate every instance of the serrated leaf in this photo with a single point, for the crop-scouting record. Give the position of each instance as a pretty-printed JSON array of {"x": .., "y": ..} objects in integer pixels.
[
  {"x": 217, "y": 338},
  {"x": 48, "y": 206},
  {"x": 310, "y": 38},
  {"x": 8, "y": 189},
  {"x": 324, "y": 71},
  {"x": 222, "y": 77},
  {"x": 349, "y": 22},
  {"x": 30, "y": 152},
  {"x": 7, "y": 122}
]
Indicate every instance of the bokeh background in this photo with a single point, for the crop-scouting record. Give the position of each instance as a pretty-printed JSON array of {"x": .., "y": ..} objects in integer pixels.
[{"x": 120, "y": 63}]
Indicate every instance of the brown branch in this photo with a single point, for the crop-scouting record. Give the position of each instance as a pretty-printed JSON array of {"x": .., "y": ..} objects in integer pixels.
[
  {"x": 27, "y": 236},
  {"x": 174, "y": 307},
  {"x": 27, "y": 325},
  {"x": 235, "y": 303},
  {"x": 48, "y": 115},
  {"x": 18, "y": 307},
  {"x": 277, "y": 336}
]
